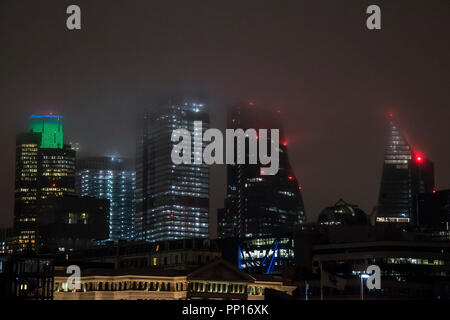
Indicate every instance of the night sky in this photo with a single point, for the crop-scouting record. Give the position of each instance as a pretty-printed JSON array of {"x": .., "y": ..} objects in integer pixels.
[{"x": 334, "y": 80}]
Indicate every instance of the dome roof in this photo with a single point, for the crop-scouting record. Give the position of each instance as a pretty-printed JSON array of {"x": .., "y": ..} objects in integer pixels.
[{"x": 343, "y": 213}]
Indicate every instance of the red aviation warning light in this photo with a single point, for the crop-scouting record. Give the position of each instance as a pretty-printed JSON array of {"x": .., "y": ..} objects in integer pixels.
[{"x": 419, "y": 158}]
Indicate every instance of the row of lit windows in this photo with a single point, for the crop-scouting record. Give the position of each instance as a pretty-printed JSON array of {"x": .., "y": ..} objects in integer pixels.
[
  {"x": 393, "y": 219},
  {"x": 435, "y": 262}
]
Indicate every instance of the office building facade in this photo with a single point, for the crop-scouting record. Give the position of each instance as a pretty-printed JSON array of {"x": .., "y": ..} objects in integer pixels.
[
  {"x": 218, "y": 280},
  {"x": 172, "y": 201},
  {"x": 45, "y": 167},
  {"x": 6, "y": 236},
  {"x": 114, "y": 179},
  {"x": 26, "y": 277},
  {"x": 434, "y": 214},
  {"x": 71, "y": 222},
  {"x": 406, "y": 174},
  {"x": 260, "y": 205}
]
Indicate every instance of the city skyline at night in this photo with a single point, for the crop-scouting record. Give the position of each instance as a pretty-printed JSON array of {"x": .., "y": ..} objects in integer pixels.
[
  {"x": 217, "y": 157},
  {"x": 405, "y": 154},
  {"x": 333, "y": 102}
]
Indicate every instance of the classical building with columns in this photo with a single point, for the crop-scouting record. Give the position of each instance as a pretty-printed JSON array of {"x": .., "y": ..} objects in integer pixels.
[{"x": 216, "y": 280}]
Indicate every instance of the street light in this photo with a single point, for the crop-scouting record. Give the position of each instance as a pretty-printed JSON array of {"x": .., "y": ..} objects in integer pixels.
[{"x": 363, "y": 276}]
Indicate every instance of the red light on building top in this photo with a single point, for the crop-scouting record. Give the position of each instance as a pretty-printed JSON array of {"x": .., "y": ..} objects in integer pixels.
[{"x": 419, "y": 158}]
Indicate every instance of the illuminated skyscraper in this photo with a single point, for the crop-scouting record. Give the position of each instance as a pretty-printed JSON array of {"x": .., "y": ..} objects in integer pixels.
[
  {"x": 260, "y": 205},
  {"x": 26, "y": 189},
  {"x": 406, "y": 174},
  {"x": 44, "y": 168},
  {"x": 110, "y": 178},
  {"x": 172, "y": 201}
]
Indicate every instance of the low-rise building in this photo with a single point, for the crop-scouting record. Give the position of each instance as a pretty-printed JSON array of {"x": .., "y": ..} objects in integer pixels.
[
  {"x": 216, "y": 280},
  {"x": 70, "y": 222},
  {"x": 183, "y": 254},
  {"x": 26, "y": 277}
]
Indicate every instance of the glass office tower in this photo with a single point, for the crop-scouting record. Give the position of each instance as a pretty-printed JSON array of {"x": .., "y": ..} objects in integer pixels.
[
  {"x": 406, "y": 174},
  {"x": 260, "y": 205},
  {"x": 111, "y": 178},
  {"x": 172, "y": 201},
  {"x": 45, "y": 167}
]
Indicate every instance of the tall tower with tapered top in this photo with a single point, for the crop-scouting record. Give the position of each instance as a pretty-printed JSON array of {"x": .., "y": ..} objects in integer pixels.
[
  {"x": 260, "y": 205},
  {"x": 407, "y": 173}
]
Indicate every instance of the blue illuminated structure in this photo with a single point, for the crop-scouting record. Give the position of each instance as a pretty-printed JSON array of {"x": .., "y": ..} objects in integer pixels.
[
  {"x": 274, "y": 254},
  {"x": 111, "y": 178},
  {"x": 266, "y": 255},
  {"x": 58, "y": 117}
]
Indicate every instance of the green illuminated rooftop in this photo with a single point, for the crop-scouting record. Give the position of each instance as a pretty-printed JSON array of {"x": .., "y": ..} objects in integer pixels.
[{"x": 51, "y": 128}]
